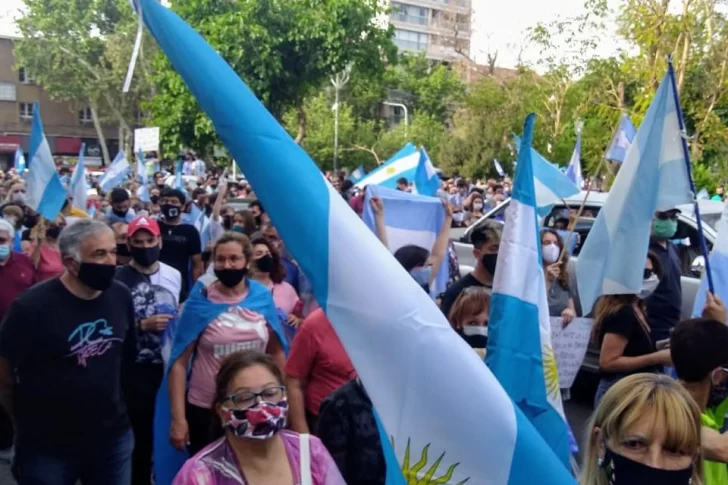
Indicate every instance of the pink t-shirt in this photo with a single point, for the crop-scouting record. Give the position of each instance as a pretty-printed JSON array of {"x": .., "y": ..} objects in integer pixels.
[
  {"x": 50, "y": 264},
  {"x": 235, "y": 330},
  {"x": 284, "y": 296},
  {"x": 217, "y": 464}
]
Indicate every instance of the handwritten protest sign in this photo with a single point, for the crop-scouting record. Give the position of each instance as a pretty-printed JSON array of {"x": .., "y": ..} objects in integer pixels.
[
  {"x": 570, "y": 346},
  {"x": 146, "y": 139}
]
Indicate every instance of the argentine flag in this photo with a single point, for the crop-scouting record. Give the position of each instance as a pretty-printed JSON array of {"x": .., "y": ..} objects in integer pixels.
[
  {"x": 427, "y": 181},
  {"x": 499, "y": 168},
  {"x": 357, "y": 174},
  {"x": 573, "y": 172},
  {"x": 116, "y": 173},
  {"x": 141, "y": 175},
  {"x": 718, "y": 267},
  {"x": 421, "y": 376},
  {"x": 79, "y": 188},
  {"x": 19, "y": 163},
  {"x": 46, "y": 194},
  {"x": 551, "y": 185},
  {"x": 622, "y": 140},
  {"x": 403, "y": 164},
  {"x": 653, "y": 178},
  {"x": 519, "y": 344}
]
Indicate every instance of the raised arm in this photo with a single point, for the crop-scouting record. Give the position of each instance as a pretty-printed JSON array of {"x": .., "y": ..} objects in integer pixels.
[{"x": 439, "y": 249}]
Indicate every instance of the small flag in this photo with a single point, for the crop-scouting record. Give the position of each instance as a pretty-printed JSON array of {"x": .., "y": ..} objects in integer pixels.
[
  {"x": 622, "y": 140},
  {"x": 357, "y": 174},
  {"x": 142, "y": 179},
  {"x": 19, "y": 162},
  {"x": 499, "y": 168},
  {"x": 46, "y": 194},
  {"x": 427, "y": 181},
  {"x": 79, "y": 187},
  {"x": 116, "y": 173},
  {"x": 403, "y": 164},
  {"x": 573, "y": 172}
]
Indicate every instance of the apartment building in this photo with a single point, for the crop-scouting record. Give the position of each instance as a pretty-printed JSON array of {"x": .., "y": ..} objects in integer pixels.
[
  {"x": 439, "y": 28},
  {"x": 67, "y": 126}
]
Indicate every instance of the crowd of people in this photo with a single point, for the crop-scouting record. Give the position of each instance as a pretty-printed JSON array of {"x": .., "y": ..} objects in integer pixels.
[{"x": 106, "y": 308}]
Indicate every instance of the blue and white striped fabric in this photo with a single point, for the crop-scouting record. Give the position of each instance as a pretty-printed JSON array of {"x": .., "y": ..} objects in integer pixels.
[
  {"x": 116, "y": 173},
  {"x": 141, "y": 175},
  {"x": 46, "y": 194},
  {"x": 520, "y": 353},
  {"x": 79, "y": 187},
  {"x": 357, "y": 174},
  {"x": 499, "y": 168},
  {"x": 653, "y": 177},
  {"x": 410, "y": 219},
  {"x": 551, "y": 184},
  {"x": 197, "y": 218},
  {"x": 420, "y": 375},
  {"x": 403, "y": 164},
  {"x": 622, "y": 140},
  {"x": 573, "y": 171},
  {"x": 19, "y": 163},
  {"x": 427, "y": 181},
  {"x": 703, "y": 195},
  {"x": 718, "y": 267}
]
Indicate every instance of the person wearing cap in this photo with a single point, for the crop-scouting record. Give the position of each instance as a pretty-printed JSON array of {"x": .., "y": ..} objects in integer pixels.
[
  {"x": 665, "y": 305},
  {"x": 155, "y": 288}
]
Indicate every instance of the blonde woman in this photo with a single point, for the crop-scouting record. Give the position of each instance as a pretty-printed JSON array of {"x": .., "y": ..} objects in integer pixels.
[{"x": 646, "y": 430}]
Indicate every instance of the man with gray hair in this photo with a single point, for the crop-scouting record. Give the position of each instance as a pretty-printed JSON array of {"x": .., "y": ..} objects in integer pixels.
[{"x": 63, "y": 346}]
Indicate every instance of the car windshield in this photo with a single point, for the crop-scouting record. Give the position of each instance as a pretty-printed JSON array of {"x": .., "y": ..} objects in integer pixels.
[{"x": 711, "y": 219}]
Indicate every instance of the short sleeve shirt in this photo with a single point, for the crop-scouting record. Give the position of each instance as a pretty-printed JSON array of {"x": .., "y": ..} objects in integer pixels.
[{"x": 624, "y": 322}]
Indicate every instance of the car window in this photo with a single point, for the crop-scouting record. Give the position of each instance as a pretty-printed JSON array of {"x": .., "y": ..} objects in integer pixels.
[
  {"x": 711, "y": 219},
  {"x": 562, "y": 212},
  {"x": 688, "y": 246}
]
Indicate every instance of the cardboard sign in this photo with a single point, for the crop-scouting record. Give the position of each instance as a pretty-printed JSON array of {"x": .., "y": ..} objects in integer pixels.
[
  {"x": 570, "y": 346},
  {"x": 146, "y": 139}
]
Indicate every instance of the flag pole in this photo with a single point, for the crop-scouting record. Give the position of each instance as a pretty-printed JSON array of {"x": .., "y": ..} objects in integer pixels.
[{"x": 686, "y": 154}]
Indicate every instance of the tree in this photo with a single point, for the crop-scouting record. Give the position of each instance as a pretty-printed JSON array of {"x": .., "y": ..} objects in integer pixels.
[
  {"x": 78, "y": 50},
  {"x": 285, "y": 50}
]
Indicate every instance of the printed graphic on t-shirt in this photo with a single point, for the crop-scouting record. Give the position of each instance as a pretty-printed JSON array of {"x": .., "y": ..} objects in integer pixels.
[
  {"x": 150, "y": 299},
  {"x": 240, "y": 320},
  {"x": 91, "y": 339}
]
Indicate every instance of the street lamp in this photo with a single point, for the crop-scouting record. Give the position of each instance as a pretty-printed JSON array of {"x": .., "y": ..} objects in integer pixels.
[
  {"x": 339, "y": 81},
  {"x": 406, "y": 117}
]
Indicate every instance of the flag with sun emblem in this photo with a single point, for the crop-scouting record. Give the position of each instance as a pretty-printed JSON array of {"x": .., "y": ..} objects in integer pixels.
[{"x": 519, "y": 344}]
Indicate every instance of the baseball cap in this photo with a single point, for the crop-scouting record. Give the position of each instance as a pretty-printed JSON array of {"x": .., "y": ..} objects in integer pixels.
[{"x": 143, "y": 223}]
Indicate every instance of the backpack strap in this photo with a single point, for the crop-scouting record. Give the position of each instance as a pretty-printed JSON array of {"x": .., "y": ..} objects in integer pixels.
[{"x": 305, "y": 450}]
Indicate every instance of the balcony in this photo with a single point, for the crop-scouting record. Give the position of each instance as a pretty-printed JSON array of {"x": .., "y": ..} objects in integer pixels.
[{"x": 409, "y": 19}]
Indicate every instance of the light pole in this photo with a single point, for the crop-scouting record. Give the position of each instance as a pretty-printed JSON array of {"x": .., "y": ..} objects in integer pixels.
[
  {"x": 406, "y": 116},
  {"x": 339, "y": 81}
]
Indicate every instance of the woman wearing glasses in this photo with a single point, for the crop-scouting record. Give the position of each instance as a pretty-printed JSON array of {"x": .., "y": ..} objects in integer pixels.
[
  {"x": 251, "y": 406},
  {"x": 623, "y": 334}
]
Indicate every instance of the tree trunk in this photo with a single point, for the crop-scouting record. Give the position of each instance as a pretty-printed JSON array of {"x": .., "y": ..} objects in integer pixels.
[
  {"x": 100, "y": 133},
  {"x": 302, "y": 123}
]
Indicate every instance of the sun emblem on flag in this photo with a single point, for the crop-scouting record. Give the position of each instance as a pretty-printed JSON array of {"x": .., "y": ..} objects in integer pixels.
[
  {"x": 411, "y": 473},
  {"x": 390, "y": 170},
  {"x": 551, "y": 372}
]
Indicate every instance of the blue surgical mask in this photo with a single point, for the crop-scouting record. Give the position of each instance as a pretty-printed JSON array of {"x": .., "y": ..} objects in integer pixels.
[
  {"x": 422, "y": 275},
  {"x": 4, "y": 251}
]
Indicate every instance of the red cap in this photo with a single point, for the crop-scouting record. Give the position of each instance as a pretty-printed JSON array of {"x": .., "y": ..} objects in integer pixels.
[{"x": 143, "y": 223}]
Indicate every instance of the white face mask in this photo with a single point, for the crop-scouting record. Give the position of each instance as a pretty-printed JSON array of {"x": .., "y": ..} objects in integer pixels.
[
  {"x": 471, "y": 330},
  {"x": 648, "y": 287},
  {"x": 477, "y": 207},
  {"x": 550, "y": 253}
]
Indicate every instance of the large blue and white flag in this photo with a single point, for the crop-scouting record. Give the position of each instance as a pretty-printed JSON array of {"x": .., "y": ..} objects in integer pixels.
[
  {"x": 357, "y": 174},
  {"x": 520, "y": 353},
  {"x": 389, "y": 327},
  {"x": 551, "y": 185},
  {"x": 19, "y": 163},
  {"x": 46, "y": 194},
  {"x": 79, "y": 187},
  {"x": 427, "y": 181},
  {"x": 653, "y": 178},
  {"x": 141, "y": 176},
  {"x": 718, "y": 267},
  {"x": 622, "y": 140},
  {"x": 499, "y": 168},
  {"x": 116, "y": 173},
  {"x": 410, "y": 219},
  {"x": 573, "y": 171},
  {"x": 402, "y": 165}
]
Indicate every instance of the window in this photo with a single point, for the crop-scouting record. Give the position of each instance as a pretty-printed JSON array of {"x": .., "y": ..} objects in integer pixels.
[
  {"x": 410, "y": 14},
  {"x": 397, "y": 114},
  {"x": 84, "y": 116},
  {"x": 26, "y": 111},
  {"x": 7, "y": 92},
  {"x": 406, "y": 39},
  {"x": 25, "y": 77}
]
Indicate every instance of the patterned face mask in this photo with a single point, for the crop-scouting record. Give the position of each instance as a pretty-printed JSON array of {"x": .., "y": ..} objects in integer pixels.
[{"x": 258, "y": 422}]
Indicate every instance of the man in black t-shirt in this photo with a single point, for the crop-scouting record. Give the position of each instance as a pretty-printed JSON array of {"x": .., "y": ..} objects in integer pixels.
[
  {"x": 486, "y": 241},
  {"x": 180, "y": 242},
  {"x": 65, "y": 345}
]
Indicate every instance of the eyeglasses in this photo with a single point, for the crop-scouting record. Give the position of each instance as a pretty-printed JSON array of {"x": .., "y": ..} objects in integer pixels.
[
  {"x": 647, "y": 273},
  {"x": 246, "y": 399}
]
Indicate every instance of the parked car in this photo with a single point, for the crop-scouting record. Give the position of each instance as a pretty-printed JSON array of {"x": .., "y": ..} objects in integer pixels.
[{"x": 692, "y": 261}]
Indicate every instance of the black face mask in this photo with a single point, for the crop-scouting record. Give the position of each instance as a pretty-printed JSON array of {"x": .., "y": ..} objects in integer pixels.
[
  {"x": 53, "y": 232},
  {"x": 623, "y": 471},
  {"x": 119, "y": 213},
  {"x": 227, "y": 222},
  {"x": 208, "y": 210},
  {"x": 122, "y": 250},
  {"x": 265, "y": 264},
  {"x": 489, "y": 261},
  {"x": 160, "y": 186},
  {"x": 231, "y": 277},
  {"x": 170, "y": 211},
  {"x": 145, "y": 256},
  {"x": 258, "y": 219},
  {"x": 97, "y": 276},
  {"x": 30, "y": 221},
  {"x": 154, "y": 199}
]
